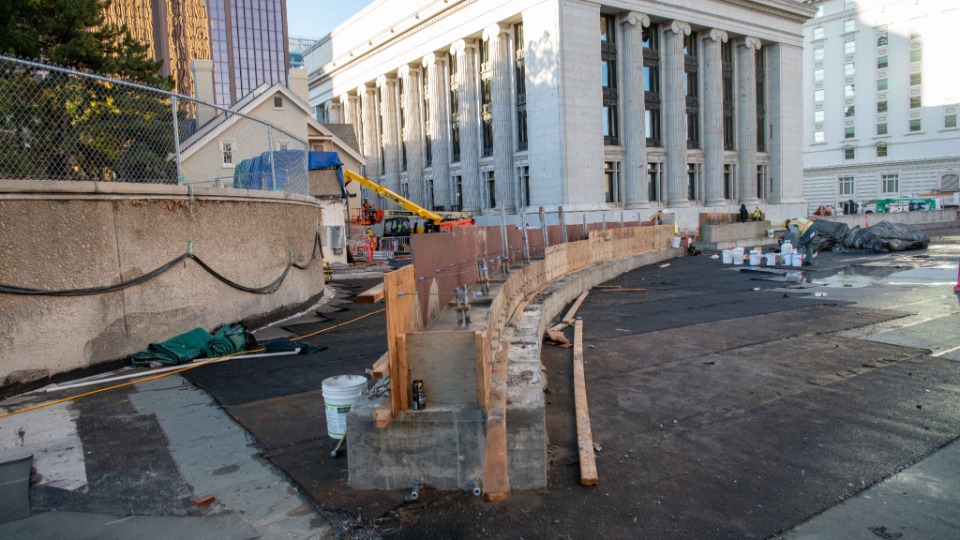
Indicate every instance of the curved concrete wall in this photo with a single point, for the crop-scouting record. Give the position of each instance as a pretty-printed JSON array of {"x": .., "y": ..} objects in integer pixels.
[{"x": 67, "y": 235}]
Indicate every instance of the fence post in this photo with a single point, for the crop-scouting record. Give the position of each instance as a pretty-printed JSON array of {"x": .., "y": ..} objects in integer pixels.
[
  {"x": 273, "y": 169},
  {"x": 523, "y": 234},
  {"x": 543, "y": 231},
  {"x": 621, "y": 220},
  {"x": 503, "y": 236},
  {"x": 586, "y": 232},
  {"x": 563, "y": 225},
  {"x": 604, "y": 215},
  {"x": 176, "y": 139}
]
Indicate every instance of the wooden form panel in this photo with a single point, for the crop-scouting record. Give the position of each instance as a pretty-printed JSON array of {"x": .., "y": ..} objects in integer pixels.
[{"x": 403, "y": 317}]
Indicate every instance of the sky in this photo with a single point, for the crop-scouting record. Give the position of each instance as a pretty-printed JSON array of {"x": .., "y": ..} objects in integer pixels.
[{"x": 316, "y": 18}]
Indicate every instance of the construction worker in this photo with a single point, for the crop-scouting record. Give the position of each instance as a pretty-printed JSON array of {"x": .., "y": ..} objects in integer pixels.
[
  {"x": 757, "y": 214},
  {"x": 657, "y": 218},
  {"x": 744, "y": 215},
  {"x": 805, "y": 231},
  {"x": 368, "y": 211}
]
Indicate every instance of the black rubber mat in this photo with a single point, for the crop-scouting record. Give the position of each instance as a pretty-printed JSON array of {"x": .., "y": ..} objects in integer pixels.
[{"x": 14, "y": 486}]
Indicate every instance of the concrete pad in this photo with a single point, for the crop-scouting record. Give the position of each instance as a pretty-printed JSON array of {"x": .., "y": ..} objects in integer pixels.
[{"x": 79, "y": 526}]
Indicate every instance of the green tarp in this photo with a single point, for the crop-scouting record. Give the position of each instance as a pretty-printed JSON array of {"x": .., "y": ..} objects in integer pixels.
[{"x": 229, "y": 339}]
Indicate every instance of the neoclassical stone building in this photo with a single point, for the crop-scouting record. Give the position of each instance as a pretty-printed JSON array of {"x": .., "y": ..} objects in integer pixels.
[{"x": 618, "y": 107}]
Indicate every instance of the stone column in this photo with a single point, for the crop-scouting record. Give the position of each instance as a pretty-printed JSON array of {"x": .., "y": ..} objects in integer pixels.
[
  {"x": 469, "y": 123},
  {"x": 439, "y": 129},
  {"x": 712, "y": 112},
  {"x": 747, "y": 119},
  {"x": 675, "y": 115},
  {"x": 784, "y": 69},
  {"x": 371, "y": 145},
  {"x": 634, "y": 123},
  {"x": 502, "y": 103},
  {"x": 391, "y": 141},
  {"x": 413, "y": 131}
]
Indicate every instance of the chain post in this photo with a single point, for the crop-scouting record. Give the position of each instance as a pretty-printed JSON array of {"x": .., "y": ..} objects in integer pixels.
[{"x": 176, "y": 139}]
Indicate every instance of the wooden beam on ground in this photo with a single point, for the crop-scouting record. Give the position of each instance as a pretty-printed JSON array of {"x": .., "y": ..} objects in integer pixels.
[
  {"x": 569, "y": 317},
  {"x": 496, "y": 478},
  {"x": 588, "y": 459},
  {"x": 637, "y": 289},
  {"x": 381, "y": 368},
  {"x": 371, "y": 295}
]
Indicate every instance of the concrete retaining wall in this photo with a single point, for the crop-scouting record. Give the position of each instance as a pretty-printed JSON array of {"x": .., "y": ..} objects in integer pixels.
[
  {"x": 921, "y": 219},
  {"x": 68, "y": 235}
]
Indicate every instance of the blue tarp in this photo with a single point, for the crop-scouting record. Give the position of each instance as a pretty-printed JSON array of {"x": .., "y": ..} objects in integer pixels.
[
  {"x": 328, "y": 160},
  {"x": 257, "y": 172}
]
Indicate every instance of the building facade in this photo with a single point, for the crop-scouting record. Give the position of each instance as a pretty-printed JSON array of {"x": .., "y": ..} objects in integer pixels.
[
  {"x": 246, "y": 39},
  {"x": 616, "y": 107},
  {"x": 882, "y": 94}
]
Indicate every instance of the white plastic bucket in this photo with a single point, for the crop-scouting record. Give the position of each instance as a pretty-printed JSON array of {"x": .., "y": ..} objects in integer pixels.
[
  {"x": 728, "y": 256},
  {"x": 797, "y": 259},
  {"x": 787, "y": 259},
  {"x": 737, "y": 255},
  {"x": 771, "y": 259},
  {"x": 755, "y": 258},
  {"x": 339, "y": 394},
  {"x": 675, "y": 242}
]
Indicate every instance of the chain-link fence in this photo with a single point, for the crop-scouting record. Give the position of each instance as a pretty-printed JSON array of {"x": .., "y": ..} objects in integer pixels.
[{"x": 62, "y": 124}]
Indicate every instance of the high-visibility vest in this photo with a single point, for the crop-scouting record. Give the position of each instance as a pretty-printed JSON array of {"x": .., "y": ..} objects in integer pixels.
[{"x": 802, "y": 224}]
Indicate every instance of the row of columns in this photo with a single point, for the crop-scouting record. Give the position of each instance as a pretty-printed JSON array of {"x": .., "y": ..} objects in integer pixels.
[
  {"x": 674, "y": 114},
  {"x": 674, "y": 119}
]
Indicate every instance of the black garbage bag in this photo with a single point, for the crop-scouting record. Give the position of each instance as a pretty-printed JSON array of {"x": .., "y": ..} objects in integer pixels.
[
  {"x": 829, "y": 234},
  {"x": 901, "y": 236},
  {"x": 863, "y": 240}
]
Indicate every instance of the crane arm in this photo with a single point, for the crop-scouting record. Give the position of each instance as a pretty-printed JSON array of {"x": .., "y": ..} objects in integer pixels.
[{"x": 395, "y": 198}]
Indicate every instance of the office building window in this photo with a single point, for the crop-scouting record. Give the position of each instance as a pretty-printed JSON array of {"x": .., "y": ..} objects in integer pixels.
[
  {"x": 728, "y": 179},
  {"x": 849, "y": 111},
  {"x": 846, "y": 186},
  {"x": 882, "y": 150},
  {"x": 380, "y": 122},
  {"x": 818, "y": 116},
  {"x": 761, "y": 100},
  {"x": 849, "y": 153},
  {"x": 611, "y": 181},
  {"x": 849, "y": 69},
  {"x": 849, "y": 132},
  {"x": 881, "y": 85},
  {"x": 849, "y": 4},
  {"x": 950, "y": 120},
  {"x": 882, "y": 39},
  {"x": 849, "y": 25},
  {"x": 818, "y": 32},
  {"x": 726, "y": 72},
  {"x": 457, "y": 193},
  {"x": 608, "y": 79},
  {"x": 428, "y": 196},
  {"x": 523, "y": 176},
  {"x": 693, "y": 181},
  {"x": 881, "y": 128},
  {"x": 850, "y": 47},
  {"x": 402, "y": 121},
  {"x": 424, "y": 81},
  {"x": 818, "y": 136},
  {"x": 762, "y": 181},
  {"x": 916, "y": 102},
  {"x": 818, "y": 96},
  {"x": 882, "y": 62},
  {"x": 520, "y": 89},
  {"x": 651, "y": 94},
  {"x": 818, "y": 54},
  {"x": 490, "y": 185},
  {"x": 916, "y": 55},
  {"x": 654, "y": 174},
  {"x": 849, "y": 90},
  {"x": 817, "y": 75},
  {"x": 890, "y": 183},
  {"x": 882, "y": 106},
  {"x": 454, "y": 111},
  {"x": 916, "y": 79},
  {"x": 915, "y": 125}
]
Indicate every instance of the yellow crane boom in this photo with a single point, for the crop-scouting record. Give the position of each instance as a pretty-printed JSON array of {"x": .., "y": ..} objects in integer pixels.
[{"x": 395, "y": 198}]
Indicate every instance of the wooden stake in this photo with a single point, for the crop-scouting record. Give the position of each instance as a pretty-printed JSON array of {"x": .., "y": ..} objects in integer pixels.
[
  {"x": 381, "y": 368},
  {"x": 588, "y": 459}
]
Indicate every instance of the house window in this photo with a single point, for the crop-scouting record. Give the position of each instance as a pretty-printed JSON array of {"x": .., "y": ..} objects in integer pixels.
[
  {"x": 849, "y": 132},
  {"x": 882, "y": 150},
  {"x": 890, "y": 183},
  {"x": 916, "y": 102},
  {"x": 608, "y": 79},
  {"x": 490, "y": 185},
  {"x": 651, "y": 81},
  {"x": 849, "y": 153},
  {"x": 915, "y": 124},
  {"x": 611, "y": 181},
  {"x": 523, "y": 175},
  {"x": 278, "y": 102},
  {"x": 520, "y": 90},
  {"x": 227, "y": 149},
  {"x": 283, "y": 145},
  {"x": 882, "y": 128},
  {"x": 915, "y": 79},
  {"x": 654, "y": 171},
  {"x": 846, "y": 186},
  {"x": 818, "y": 32},
  {"x": 882, "y": 106},
  {"x": 882, "y": 62}
]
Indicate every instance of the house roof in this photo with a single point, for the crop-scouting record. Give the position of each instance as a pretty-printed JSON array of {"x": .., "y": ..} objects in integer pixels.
[
  {"x": 335, "y": 136},
  {"x": 346, "y": 133}
]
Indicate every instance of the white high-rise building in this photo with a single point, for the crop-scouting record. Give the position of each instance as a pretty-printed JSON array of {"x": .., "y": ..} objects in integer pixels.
[
  {"x": 597, "y": 106},
  {"x": 881, "y": 88}
]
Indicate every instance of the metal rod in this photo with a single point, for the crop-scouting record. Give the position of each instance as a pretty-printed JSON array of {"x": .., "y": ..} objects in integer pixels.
[
  {"x": 523, "y": 234},
  {"x": 563, "y": 225},
  {"x": 414, "y": 492},
  {"x": 543, "y": 230},
  {"x": 505, "y": 250},
  {"x": 604, "y": 215},
  {"x": 176, "y": 139},
  {"x": 586, "y": 231},
  {"x": 621, "y": 220}
]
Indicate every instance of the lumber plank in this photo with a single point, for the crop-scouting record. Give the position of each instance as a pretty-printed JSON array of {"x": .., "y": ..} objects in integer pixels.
[
  {"x": 380, "y": 368},
  {"x": 383, "y": 415},
  {"x": 496, "y": 479},
  {"x": 371, "y": 295},
  {"x": 588, "y": 459},
  {"x": 569, "y": 317}
]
